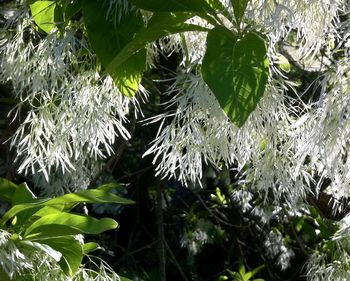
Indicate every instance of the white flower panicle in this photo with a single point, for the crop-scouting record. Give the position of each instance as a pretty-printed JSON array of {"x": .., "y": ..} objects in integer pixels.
[
  {"x": 325, "y": 141},
  {"x": 314, "y": 21},
  {"x": 37, "y": 265},
  {"x": 75, "y": 115},
  {"x": 197, "y": 132},
  {"x": 12, "y": 260}
]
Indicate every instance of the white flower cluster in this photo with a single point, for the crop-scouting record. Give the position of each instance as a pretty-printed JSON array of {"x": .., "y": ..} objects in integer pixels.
[
  {"x": 74, "y": 114},
  {"x": 12, "y": 260},
  {"x": 325, "y": 142},
  {"x": 37, "y": 265},
  {"x": 314, "y": 21},
  {"x": 199, "y": 133},
  {"x": 273, "y": 147}
]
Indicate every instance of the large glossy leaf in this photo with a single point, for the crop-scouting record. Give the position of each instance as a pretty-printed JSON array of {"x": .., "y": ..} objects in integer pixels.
[
  {"x": 173, "y": 5},
  {"x": 236, "y": 70},
  {"x": 108, "y": 36},
  {"x": 62, "y": 224},
  {"x": 71, "y": 250},
  {"x": 44, "y": 14},
  {"x": 160, "y": 25},
  {"x": 68, "y": 201},
  {"x": 239, "y": 7}
]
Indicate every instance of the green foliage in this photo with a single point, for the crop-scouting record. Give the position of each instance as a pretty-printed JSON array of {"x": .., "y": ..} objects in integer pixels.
[
  {"x": 160, "y": 25},
  {"x": 61, "y": 224},
  {"x": 242, "y": 274},
  {"x": 66, "y": 202},
  {"x": 173, "y": 5},
  {"x": 236, "y": 70},
  {"x": 108, "y": 36},
  {"x": 50, "y": 225},
  {"x": 69, "y": 8},
  {"x": 45, "y": 14}
]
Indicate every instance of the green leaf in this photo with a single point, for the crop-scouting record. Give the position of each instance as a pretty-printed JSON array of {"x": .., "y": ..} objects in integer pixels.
[
  {"x": 71, "y": 250},
  {"x": 69, "y": 201},
  {"x": 108, "y": 36},
  {"x": 23, "y": 194},
  {"x": 283, "y": 63},
  {"x": 90, "y": 247},
  {"x": 17, "y": 194},
  {"x": 44, "y": 14},
  {"x": 160, "y": 25},
  {"x": 42, "y": 247},
  {"x": 236, "y": 71},
  {"x": 256, "y": 270},
  {"x": 7, "y": 189},
  {"x": 62, "y": 224},
  {"x": 239, "y": 7},
  {"x": 173, "y": 5},
  {"x": 241, "y": 268},
  {"x": 47, "y": 210}
]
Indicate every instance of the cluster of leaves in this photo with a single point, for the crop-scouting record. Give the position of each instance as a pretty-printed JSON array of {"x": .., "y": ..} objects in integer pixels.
[
  {"x": 51, "y": 225},
  {"x": 237, "y": 76}
]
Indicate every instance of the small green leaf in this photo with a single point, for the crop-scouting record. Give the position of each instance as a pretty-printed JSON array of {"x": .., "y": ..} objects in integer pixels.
[
  {"x": 108, "y": 36},
  {"x": 239, "y": 7},
  {"x": 241, "y": 268},
  {"x": 283, "y": 63},
  {"x": 256, "y": 270},
  {"x": 236, "y": 71},
  {"x": 160, "y": 25},
  {"x": 62, "y": 224},
  {"x": 44, "y": 14},
  {"x": 90, "y": 247}
]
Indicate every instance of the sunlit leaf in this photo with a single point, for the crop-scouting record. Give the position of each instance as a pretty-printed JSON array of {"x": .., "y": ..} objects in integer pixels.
[{"x": 61, "y": 224}]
